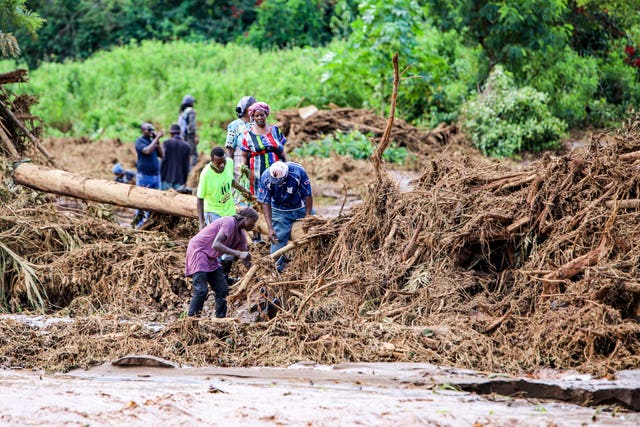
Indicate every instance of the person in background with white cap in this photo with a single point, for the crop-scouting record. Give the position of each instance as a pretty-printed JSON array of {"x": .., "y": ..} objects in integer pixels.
[
  {"x": 149, "y": 154},
  {"x": 187, "y": 123},
  {"x": 122, "y": 175},
  {"x": 285, "y": 194},
  {"x": 174, "y": 169}
]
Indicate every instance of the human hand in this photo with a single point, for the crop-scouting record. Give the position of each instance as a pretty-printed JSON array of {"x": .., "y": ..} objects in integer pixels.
[{"x": 273, "y": 238}]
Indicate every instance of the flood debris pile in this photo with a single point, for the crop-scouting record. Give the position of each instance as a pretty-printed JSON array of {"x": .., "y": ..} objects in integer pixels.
[
  {"x": 301, "y": 127},
  {"x": 479, "y": 266},
  {"x": 492, "y": 269}
]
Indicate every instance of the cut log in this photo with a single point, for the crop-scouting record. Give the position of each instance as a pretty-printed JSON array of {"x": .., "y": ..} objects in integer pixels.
[
  {"x": 100, "y": 190},
  {"x": 70, "y": 184}
]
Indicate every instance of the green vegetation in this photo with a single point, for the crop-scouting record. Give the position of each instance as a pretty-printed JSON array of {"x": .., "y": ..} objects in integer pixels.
[
  {"x": 505, "y": 120},
  {"x": 570, "y": 63},
  {"x": 353, "y": 144},
  {"x": 111, "y": 93},
  {"x": 14, "y": 16}
]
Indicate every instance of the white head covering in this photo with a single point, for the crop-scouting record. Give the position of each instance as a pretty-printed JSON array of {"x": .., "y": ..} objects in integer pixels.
[{"x": 278, "y": 172}]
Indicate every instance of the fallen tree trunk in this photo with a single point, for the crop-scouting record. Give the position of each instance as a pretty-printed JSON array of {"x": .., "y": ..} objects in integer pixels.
[
  {"x": 100, "y": 190},
  {"x": 70, "y": 184}
]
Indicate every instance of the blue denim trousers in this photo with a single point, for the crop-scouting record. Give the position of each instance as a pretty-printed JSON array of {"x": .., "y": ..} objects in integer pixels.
[
  {"x": 282, "y": 222},
  {"x": 165, "y": 185},
  {"x": 201, "y": 282},
  {"x": 149, "y": 181}
]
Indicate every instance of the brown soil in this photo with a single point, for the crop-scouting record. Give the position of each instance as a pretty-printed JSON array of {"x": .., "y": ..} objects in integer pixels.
[{"x": 481, "y": 265}]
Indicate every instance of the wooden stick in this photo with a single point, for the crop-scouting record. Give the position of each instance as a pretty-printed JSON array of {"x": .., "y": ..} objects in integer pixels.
[
  {"x": 572, "y": 268},
  {"x": 8, "y": 143},
  {"x": 384, "y": 142},
  {"x": 623, "y": 204},
  {"x": 634, "y": 155},
  {"x": 244, "y": 283},
  {"x": 498, "y": 321},
  {"x": 245, "y": 193},
  {"x": 29, "y": 135},
  {"x": 411, "y": 246},
  {"x": 392, "y": 234}
]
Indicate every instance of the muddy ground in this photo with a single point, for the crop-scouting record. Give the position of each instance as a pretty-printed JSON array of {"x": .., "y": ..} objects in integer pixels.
[{"x": 456, "y": 260}]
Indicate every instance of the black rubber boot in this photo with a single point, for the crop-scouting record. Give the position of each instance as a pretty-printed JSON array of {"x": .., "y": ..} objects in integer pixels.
[{"x": 226, "y": 269}]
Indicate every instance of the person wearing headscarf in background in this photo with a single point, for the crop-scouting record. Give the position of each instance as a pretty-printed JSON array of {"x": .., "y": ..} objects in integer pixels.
[
  {"x": 233, "y": 144},
  {"x": 174, "y": 168},
  {"x": 187, "y": 122},
  {"x": 122, "y": 175},
  {"x": 262, "y": 145},
  {"x": 149, "y": 153},
  {"x": 224, "y": 236},
  {"x": 285, "y": 194}
]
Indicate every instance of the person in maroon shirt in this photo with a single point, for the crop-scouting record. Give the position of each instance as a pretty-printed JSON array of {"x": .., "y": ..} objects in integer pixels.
[{"x": 224, "y": 236}]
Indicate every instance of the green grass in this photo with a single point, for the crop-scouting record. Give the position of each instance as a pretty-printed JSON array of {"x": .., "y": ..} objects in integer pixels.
[{"x": 111, "y": 93}]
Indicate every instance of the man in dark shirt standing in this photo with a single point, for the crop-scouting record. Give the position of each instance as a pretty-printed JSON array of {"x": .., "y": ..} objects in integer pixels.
[
  {"x": 149, "y": 153},
  {"x": 175, "y": 163}
]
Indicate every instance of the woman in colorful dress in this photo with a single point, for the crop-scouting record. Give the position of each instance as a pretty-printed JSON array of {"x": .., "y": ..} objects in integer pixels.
[{"x": 262, "y": 145}]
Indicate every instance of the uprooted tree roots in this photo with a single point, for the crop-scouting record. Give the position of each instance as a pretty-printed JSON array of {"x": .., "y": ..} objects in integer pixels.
[{"x": 478, "y": 266}]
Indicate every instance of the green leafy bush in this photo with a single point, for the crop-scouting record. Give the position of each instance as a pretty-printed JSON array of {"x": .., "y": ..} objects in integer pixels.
[
  {"x": 570, "y": 80},
  {"x": 353, "y": 144},
  {"x": 505, "y": 120}
]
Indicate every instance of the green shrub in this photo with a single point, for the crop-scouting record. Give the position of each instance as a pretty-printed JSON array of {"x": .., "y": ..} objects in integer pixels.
[
  {"x": 570, "y": 80},
  {"x": 353, "y": 144},
  {"x": 505, "y": 120}
]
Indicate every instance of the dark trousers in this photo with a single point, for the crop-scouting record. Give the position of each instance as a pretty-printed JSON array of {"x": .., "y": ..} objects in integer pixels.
[{"x": 219, "y": 286}]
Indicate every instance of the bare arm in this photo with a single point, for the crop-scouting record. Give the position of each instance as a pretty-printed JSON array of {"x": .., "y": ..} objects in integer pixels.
[
  {"x": 219, "y": 246},
  {"x": 308, "y": 205},
  {"x": 266, "y": 210},
  {"x": 200, "y": 207},
  {"x": 155, "y": 145}
]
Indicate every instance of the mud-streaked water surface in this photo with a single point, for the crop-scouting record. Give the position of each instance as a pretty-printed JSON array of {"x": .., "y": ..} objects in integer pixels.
[{"x": 305, "y": 394}]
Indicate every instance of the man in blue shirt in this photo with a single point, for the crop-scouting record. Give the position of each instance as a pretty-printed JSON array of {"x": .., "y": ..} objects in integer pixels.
[
  {"x": 149, "y": 153},
  {"x": 285, "y": 194}
]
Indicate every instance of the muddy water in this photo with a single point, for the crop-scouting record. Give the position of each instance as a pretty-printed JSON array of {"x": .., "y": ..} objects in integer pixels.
[{"x": 304, "y": 394}]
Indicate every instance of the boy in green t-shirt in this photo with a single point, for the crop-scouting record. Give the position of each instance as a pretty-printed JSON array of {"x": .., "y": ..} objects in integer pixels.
[{"x": 214, "y": 189}]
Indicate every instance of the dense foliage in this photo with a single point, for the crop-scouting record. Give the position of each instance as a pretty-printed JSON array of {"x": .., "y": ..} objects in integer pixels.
[
  {"x": 505, "y": 120},
  {"x": 353, "y": 144},
  {"x": 111, "y": 93},
  {"x": 15, "y": 16},
  {"x": 581, "y": 56}
]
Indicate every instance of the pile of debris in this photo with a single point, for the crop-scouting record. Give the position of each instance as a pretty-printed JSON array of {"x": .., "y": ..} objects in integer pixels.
[
  {"x": 479, "y": 266},
  {"x": 310, "y": 124}
]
